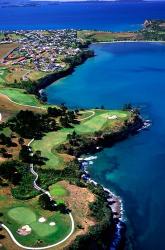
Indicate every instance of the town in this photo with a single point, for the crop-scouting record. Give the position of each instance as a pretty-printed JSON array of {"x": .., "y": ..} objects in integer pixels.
[{"x": 46, "y": 51}]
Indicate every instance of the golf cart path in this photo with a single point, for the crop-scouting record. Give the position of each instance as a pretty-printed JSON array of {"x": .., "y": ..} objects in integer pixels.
[{"x": 44, "y": 192}]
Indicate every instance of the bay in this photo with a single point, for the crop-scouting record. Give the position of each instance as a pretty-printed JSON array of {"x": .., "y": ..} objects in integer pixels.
[{"x": 134, "y": 169}]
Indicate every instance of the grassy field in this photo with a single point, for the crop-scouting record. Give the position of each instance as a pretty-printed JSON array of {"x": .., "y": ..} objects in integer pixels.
[
  {"x": 99, "y": 36},
  {"x": 52, "y": 140},
  {"x": 6, "y": 48},
  {"x": 18, "y": 215},
  {"x": 19, "y": 96}
]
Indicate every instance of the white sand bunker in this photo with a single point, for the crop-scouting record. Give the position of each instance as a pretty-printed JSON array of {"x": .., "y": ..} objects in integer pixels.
[
  {"x": 52, "y": 224},
  {"x": 24, "y": 230},
  {"x": 41, "y": 219},
  {"x": 112, "y": 117}
]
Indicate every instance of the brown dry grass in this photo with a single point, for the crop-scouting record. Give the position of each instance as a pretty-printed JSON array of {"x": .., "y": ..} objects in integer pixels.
[
  {"x": 5, "y": 48},
  {"x": 78, "y": 201},
  {"x": 7, "y": 108}
]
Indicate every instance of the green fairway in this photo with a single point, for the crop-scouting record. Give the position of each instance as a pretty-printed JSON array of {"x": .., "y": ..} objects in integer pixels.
[
  {"x": 47, "y": 146},
  {"x": 18, "y": 216},
  {"x": 99, "y": 122},
  {"x": 19, "y": 96}
]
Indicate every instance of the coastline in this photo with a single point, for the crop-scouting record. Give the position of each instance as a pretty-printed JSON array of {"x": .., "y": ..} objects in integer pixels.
[
  {"x": 55, "y": 77},
  {"x": 117, "y": 204}
]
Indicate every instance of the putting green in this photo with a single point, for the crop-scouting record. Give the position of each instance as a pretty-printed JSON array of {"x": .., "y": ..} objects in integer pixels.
[
  {"x": 43, "y": 229},
  {"x": 58, "y": 190},
  {"x": 22, "y": 215}
]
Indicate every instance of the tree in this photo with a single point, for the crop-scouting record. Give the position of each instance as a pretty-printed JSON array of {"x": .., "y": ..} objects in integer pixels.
[
  {"x": 46, "y": 203},
  {"x": 62, "y": 208},
  {"x": 21, "y": 141}
]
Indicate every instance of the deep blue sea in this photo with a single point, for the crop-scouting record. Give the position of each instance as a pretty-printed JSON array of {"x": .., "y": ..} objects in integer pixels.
[
  {"x": 97, "y": 15},
  {"x": 135, "y": 168}
]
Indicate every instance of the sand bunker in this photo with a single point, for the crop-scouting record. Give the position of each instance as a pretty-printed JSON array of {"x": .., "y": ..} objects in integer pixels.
[
  {"x": 41, "y": 219},
  {"x": 52, "y": 224},
  {"x": 24, "y": 230}
]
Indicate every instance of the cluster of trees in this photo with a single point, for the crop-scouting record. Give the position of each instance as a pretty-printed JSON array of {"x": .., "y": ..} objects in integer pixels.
[
  {"x": 79, "y": 58},
  {"x": 18, "y": 174},
  {"x": 31, "y": 125},
  {"x": 78, "y": 144},
  {"x": 29, "y": 86},
  {"x": 47, "y": 203},
  {"x": 6, "y": 140},
  {"x": 24, "y": 155}
]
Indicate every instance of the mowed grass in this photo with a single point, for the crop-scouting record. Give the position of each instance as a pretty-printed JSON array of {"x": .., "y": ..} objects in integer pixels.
[
  {"x": 18, "y": 216},
  {"x": 98, "y": 122},
  {"x": 22, "y": 215},
  {"x": 48, "y": 146},
  {"x": 19, "y": 96},
  {"x": 58, "y": 190}
]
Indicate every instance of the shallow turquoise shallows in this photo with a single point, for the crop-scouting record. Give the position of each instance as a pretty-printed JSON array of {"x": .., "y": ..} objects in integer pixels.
[{"x": 135, "y": 168}]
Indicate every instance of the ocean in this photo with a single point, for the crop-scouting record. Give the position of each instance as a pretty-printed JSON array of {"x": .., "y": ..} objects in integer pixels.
[
  {"x": 87, "y": 15},
  {"x": 134, "y": 168}
]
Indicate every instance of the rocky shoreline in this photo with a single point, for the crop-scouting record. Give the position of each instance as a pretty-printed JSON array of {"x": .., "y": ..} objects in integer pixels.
[{"x": 114, "y": 202}]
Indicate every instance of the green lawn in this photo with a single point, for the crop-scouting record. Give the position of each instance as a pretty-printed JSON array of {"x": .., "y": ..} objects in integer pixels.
[
  {"x": 18, "y": 216},
  {"x": 19, "y": 96},
  {"x": 52, "y": 140}
]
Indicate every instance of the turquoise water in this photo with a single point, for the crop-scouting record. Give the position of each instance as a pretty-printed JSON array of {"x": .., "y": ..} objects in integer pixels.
[{"x": 135, "y": 168}]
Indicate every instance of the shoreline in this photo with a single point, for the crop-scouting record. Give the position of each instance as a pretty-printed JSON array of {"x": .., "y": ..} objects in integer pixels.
[
  {"x": 125, "y": 41},
  {"x": 114, "y": 201},
  {"x": 56, "y": 77}
]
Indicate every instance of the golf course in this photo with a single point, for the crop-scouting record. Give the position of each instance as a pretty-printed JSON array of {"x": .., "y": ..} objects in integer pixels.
[
  {"x": 54, "y": 227},
  {"x": 101, "y": 120}
]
